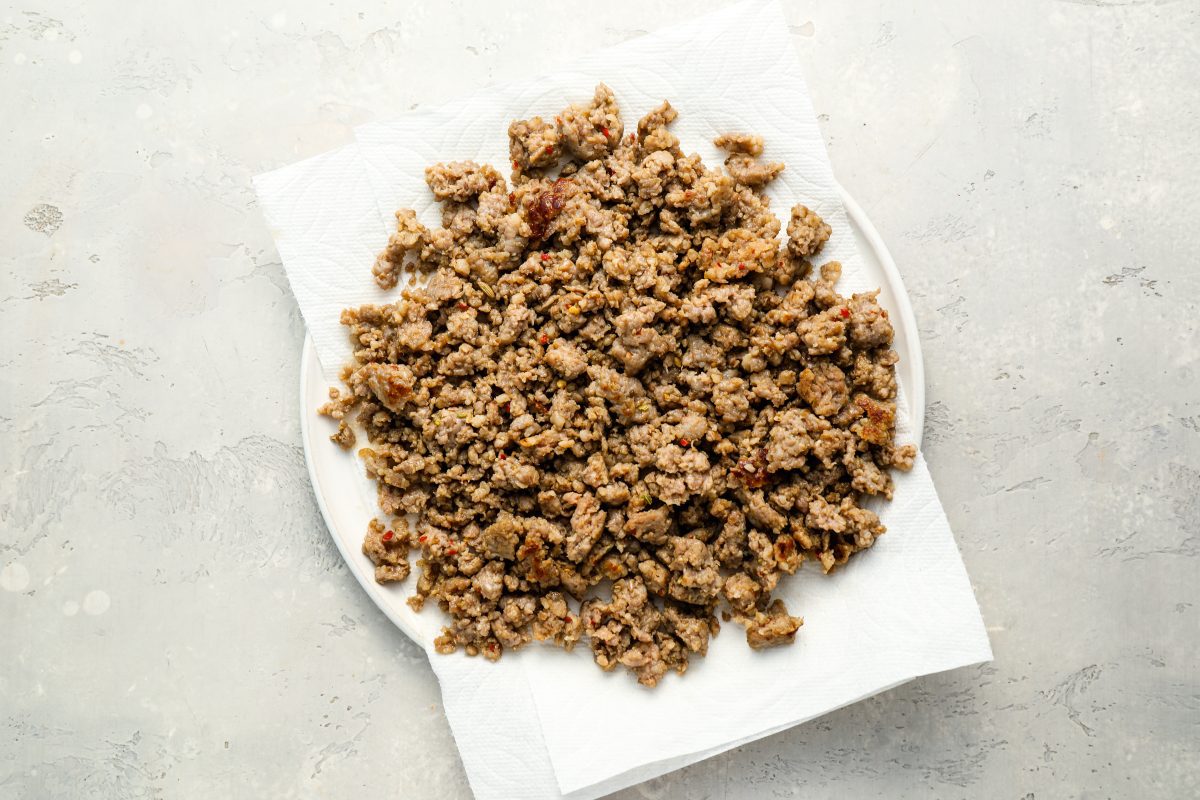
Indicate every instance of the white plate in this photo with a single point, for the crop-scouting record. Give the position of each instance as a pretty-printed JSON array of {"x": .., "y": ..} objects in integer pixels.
[{"x": 346, "y": 496}]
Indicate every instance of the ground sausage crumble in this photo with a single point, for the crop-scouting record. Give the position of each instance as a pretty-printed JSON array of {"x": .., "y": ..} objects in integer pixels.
[{"x": 613, "y": 402}]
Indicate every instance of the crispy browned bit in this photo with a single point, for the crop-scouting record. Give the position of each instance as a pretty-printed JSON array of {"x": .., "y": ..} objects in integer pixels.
[
  {"x": 619, "y": 376},
  {"x": 752, "y": 471},
  {"x": 545, "y": 207}
]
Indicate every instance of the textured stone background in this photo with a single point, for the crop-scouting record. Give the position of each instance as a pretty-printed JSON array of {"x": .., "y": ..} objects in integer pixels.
[{"x": 175, "y": 619}]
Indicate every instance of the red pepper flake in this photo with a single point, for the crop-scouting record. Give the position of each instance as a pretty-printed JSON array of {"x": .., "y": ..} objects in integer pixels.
[
  {"x": 491, "y": 647},
  {"x": 544, "y": 338},
  {"x": 845, "y": 313},
  {"x": 462, "y": 306},
  {"x": 515, "y": 166},
  {"x": 451, "y": 552},
  {"x": 545, "y": 257},
  {"x": 422, "y": 538},
  {"x": 632, "y": 138},
  {"x": 508, "y": 408},
  {"x": 502, "y": 456},
  {"x": 607, "y": 133},
  {"x": 388, "y": 536},
  {"x": 549, "y": 149},
  {"x": 684, "y": 442},
  {"x": 567, "y": 620},
  {"x": 742, "y": 267}
]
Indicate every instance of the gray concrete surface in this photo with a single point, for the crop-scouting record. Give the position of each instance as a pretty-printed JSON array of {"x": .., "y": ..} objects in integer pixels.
[{"x": 175, "y": 620}]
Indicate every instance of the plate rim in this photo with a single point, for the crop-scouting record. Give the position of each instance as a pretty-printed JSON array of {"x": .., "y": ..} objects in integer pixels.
[{"x": 903, "y": 306}]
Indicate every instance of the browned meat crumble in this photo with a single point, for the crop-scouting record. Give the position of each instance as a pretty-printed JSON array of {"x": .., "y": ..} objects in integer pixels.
[{"x": 610, "y": 373}]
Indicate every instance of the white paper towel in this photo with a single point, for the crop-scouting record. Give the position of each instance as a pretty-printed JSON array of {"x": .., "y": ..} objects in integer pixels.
[{"x": 544, "y": 723}]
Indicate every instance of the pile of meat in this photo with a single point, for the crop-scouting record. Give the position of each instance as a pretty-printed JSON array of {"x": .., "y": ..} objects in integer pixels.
[{"x": 615, "y": 402}]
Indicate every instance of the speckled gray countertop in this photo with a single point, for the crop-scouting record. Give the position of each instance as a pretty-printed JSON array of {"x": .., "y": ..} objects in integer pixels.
[{"x": 175, "y": 619}]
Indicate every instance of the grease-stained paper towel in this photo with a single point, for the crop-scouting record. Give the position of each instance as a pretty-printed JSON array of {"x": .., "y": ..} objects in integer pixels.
[{"x": 543, "y": 723}]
